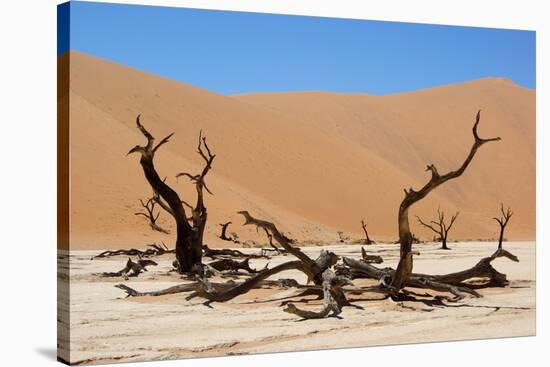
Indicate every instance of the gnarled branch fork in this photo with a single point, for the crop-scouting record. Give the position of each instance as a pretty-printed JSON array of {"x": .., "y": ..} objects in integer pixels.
[
  {"x": 333, "y": 298},
  {"x": 405, "y": 266},
  {"x": 313, "y": 267},
  {"x": 149, "y": 213}
]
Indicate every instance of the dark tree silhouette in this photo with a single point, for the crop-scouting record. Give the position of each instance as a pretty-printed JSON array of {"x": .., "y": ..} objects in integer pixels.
[
  {"x": 503, "y": 222},
  {"x": 440, "y": 227},
  {"x": 189, "y": 230},
  {"x": 224, "y": 235}
]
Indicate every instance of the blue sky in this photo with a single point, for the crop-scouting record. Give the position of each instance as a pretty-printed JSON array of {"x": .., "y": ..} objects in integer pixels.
[{"x": 235, "y": 52}]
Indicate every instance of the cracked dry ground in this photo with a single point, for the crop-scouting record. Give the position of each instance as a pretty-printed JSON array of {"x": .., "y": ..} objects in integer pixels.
[{"x": 106, "y": 327}]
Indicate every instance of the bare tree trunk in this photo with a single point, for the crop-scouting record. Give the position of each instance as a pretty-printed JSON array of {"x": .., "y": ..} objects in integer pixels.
[
  {"x": 189, "y": 231},
  {"x": 149, "y": 213},
  {"x": 503, "y": 222},
  {"x": 367, "y": 238},
  {"x": 444, "y": 243},
  {"x": 405, "y": 266}
]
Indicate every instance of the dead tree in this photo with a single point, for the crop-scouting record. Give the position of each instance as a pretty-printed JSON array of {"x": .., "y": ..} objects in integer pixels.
[
  {"x": 367, "y": 238},
  {"x": 224, "y": 236},
  {"x": 439, "y": 227},
  {"x": 189, "y": 231},
  {"x": 503, "y": 221},
  {"x": 342, "y": 237},
  {"x": 149, "y": 213},
  {"x": 330, "y": 284},
  {"x": 405, "y": 266}
]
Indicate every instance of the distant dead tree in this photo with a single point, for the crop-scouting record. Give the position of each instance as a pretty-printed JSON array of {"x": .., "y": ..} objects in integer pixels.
[
  {"x": 224, "y": 236},
  {"x": 439, "y": 227},
  {"x": 405, "y": 266},
  {"x": 367, "y": 238},
  {"x": 503, "y": 221},
  {"x": 189, "y": 230},
  {"x": 342, "y": 236},
  {"x": 149, "y": 213}
]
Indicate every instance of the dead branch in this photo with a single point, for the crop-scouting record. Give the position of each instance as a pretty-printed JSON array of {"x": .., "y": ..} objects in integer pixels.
[
  {"x": 132, "y": 269},
  {"x": 205, "y": 290},
  {"x": 215, "y": 252},
  {"x": 272, "y": 245},
  {"x": 405, "y": 266},
  {"x": 155, "y": 250},
  {"x": 370, "y": 258},
  {"x": 149, "y": 213},
  {"x": 333, "y": 298},
  {"x": 325, "y": 260},
  {"x": 228, "y": 264},
  {"x": 315, "y": 270},
  {"x": 180, "y": 288}
]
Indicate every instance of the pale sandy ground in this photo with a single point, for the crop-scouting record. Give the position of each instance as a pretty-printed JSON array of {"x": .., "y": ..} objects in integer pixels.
[
  {"x": 312, "y": 162},
  {"x": 106, "y": 327}
]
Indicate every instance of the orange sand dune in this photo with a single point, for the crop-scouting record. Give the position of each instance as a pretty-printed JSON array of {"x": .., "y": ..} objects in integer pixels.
[{"x": 313, "y": 162}]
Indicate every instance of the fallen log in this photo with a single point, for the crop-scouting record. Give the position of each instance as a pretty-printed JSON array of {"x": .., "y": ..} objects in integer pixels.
[
  {"x": 455, "y": 283},
  {"x": 132, "y": 269},
  {"x": 333, "y": 300}
]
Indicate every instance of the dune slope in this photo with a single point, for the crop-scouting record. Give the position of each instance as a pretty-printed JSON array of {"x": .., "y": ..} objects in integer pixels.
[{"x": 315, "y": 163}]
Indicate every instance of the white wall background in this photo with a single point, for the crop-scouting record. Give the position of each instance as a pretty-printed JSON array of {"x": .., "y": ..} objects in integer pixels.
[{"x": 28, "y": 190}]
